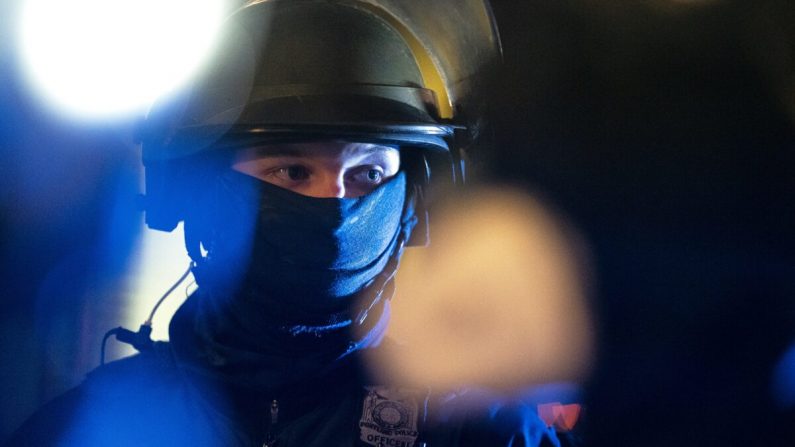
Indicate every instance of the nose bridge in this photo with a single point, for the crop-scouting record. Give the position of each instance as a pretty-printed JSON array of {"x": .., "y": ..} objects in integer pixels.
[{"x": 332, "y": 184}]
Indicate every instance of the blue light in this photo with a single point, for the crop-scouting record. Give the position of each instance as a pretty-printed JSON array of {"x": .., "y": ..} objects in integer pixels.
[{"x": 783, "y": 383}]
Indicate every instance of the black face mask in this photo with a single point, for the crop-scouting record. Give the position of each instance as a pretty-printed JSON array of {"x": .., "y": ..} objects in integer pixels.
[
  {"x": 268, "y": 241},
  {"x": 284, "y": 274}
]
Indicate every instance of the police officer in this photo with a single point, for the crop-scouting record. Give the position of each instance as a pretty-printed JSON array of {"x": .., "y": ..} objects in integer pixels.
[{"x": 299, "y": 163}]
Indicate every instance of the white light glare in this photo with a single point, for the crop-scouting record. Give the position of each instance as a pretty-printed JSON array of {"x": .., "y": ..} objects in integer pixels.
[{"x": 100, "y": 58}]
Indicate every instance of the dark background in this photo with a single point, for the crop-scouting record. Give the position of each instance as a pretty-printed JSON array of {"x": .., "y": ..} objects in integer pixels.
[{"x": 664, "y": 130}]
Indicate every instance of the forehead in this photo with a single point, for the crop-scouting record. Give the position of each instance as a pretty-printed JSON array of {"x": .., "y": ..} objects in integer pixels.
[{"x": 316, "y": 149}]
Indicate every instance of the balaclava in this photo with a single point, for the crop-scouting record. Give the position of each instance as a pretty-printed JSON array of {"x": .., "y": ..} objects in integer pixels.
[{"x": 285, "y": 278}]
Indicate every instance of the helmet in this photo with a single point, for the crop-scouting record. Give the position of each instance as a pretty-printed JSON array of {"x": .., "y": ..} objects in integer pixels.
[{"x": 300, "y": 70}]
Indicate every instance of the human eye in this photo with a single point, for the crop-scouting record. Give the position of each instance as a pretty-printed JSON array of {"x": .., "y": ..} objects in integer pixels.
[
  {"x": 292, "y": 173},
  {"x": 367, "y": 175}
]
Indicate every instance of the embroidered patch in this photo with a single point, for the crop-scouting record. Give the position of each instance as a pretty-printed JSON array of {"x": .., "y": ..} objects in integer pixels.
[{"x": 389, "y": 417}]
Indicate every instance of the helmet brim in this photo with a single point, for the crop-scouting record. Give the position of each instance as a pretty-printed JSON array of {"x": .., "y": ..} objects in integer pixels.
[{"x": 298, "y": 118}]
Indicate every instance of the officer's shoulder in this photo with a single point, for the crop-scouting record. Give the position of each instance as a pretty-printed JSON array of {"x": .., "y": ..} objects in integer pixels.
[
  {"x": 148, "y": 370},
  {"x": 107, "y": 402}
]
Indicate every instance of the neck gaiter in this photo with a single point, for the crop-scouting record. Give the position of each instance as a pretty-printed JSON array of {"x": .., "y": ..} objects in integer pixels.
[{"x": 285, "y": 276}]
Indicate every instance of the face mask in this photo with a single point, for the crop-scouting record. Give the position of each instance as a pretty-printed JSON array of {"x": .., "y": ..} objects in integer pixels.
[
  {"x": 301, "y": 258},
  {"x": 284, "y": 279}
]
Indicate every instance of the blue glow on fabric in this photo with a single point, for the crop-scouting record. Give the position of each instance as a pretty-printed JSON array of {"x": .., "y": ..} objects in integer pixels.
[
  {"x": 283, "y": 279},
  {"x": 273, "y": 242},
  {"x": 517, "y": 424}
]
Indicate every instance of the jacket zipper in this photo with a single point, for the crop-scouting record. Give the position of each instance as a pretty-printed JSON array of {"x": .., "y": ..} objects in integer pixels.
[{"x": 270, "y": 439}]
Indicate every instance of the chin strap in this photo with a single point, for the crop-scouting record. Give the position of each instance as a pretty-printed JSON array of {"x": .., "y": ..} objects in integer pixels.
[{"x": 384, "y": 282}]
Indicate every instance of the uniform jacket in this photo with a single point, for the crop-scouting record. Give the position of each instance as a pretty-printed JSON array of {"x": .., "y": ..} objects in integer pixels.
[{"x": 148, "y": 400}]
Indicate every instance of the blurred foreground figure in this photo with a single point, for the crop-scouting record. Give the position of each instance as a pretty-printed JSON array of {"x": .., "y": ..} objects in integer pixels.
[
  {"x": 497, "y": 301},
  {"x": 300, "y": 164}
]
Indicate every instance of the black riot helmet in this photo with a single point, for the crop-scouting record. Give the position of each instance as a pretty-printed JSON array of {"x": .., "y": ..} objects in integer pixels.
[{"x": 303, "y": 70}]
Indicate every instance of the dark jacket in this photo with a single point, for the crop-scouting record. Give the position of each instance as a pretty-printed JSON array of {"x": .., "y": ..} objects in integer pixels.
[{"x": 148, "y": 400}]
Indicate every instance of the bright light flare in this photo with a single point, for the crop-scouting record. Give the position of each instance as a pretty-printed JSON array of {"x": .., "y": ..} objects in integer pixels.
[
  {"x": 496, "y": 301},
  {"x": 106, "y": 58}
]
